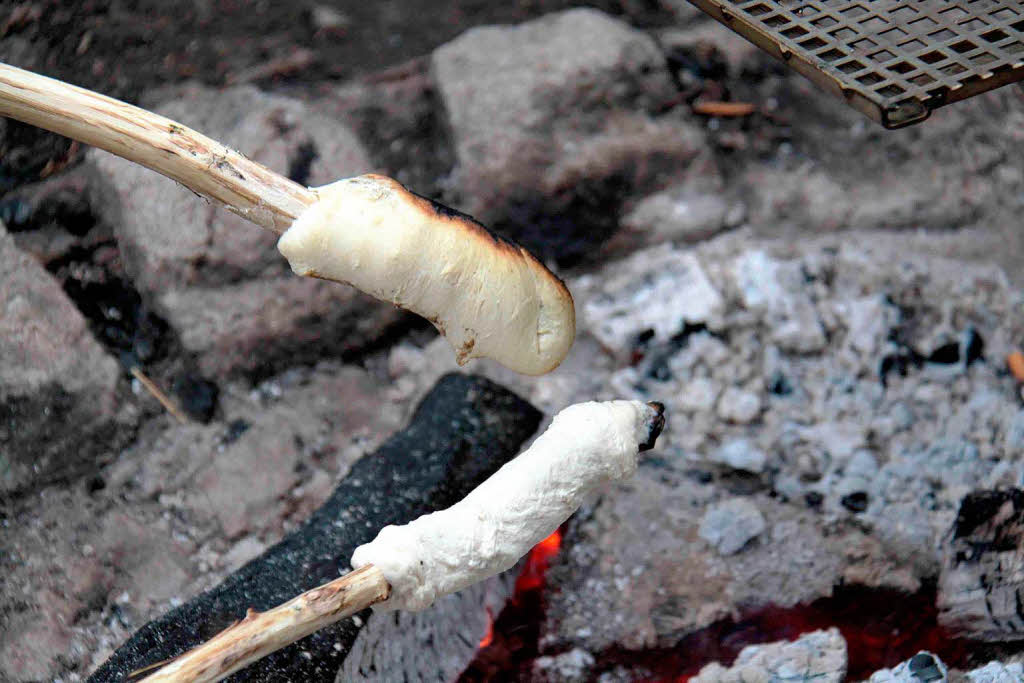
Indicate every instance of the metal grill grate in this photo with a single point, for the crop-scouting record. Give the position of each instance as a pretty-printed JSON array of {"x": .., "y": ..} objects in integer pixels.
[{"x": 893, "y": 60}]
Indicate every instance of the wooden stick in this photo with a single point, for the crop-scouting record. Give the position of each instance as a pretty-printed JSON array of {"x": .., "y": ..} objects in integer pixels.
[
  {"x": 159, "y": 395},
  {"x": 203, "y": 165},
  {"x": 261, "y": 633}
]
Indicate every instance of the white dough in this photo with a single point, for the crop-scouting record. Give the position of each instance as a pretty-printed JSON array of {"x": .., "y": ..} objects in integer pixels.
[
  {"x": 586, "y": 446},
  {"x": 489, "y": 297}
]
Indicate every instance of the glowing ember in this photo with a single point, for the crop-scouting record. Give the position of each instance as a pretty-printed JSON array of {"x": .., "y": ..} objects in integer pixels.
[
  {"x": 489, "y": 636},
  {"x": 532, "y": 577},
  {"x": 511, "y": 640}
]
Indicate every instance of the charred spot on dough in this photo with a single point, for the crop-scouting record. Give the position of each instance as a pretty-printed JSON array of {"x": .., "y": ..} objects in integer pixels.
[
  {"x": 654, "y": 425},
  {"x": 448, "y": 213}
]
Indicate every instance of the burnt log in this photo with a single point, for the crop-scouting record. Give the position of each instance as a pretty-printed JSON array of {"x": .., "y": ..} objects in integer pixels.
[
  {"x": 436, "y": 644},
  {"x": 981, "y": 585},
  {"x": 462, "y": 432}
]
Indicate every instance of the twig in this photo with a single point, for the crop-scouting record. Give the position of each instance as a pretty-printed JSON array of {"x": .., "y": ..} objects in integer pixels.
[
  {"x": 159, "y": 395},
  {"x": 719, "y": 108},
  {"x": 261, "y": 633},
  {"x": 1015, "y": 363},
  {"x": 203, "y": 165}
]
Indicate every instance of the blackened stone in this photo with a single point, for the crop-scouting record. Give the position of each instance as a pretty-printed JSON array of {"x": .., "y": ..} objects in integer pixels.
[{"x": 462, "y": 432}]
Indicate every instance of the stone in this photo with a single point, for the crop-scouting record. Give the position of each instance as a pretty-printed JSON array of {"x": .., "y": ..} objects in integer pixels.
[
  {"x": 924, "y": 667},
  {"x": 679, "y": 216},
  {"x": 261, "y": 325},
  {"x": 741, "y": 454},
  {"x": 731, "y": 524},
  {"x": 424, "y": 461},
  {"x": 218, "y": 279},
  {"x": 169, "y": 237},
  {"x": 816, "y": 656},
  {"x": 55, "y": 379},
  {"x": 657, "y": 289},
  {"x": 564, "y": 101}
]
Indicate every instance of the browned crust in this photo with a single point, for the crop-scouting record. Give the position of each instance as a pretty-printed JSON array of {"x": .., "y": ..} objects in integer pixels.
[{"x": 473, "y": 229}]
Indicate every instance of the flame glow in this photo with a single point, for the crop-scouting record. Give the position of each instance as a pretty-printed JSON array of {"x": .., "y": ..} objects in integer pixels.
[
  {"x": 489, "y": 636},
  {"x": 532, "y": 577}
]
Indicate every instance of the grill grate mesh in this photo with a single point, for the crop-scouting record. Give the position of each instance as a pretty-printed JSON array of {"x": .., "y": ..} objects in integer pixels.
[{"x": 893, "y": 60}]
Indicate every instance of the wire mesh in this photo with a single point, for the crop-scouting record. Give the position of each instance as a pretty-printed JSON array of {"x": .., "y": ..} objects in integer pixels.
[{"x": 894, "y": 60}]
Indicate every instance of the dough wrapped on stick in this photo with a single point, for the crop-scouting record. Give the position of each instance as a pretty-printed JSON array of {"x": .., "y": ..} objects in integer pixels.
[
  {"x": 490, "y": 297},
  {"x": 410, "y": 566}
]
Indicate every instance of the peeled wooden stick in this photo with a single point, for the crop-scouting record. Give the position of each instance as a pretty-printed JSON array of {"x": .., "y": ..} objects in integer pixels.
[
  {"x": 260, "y": 633},
  {"x": 491, "y": 298},
  {"x": 409, "y": 566}
]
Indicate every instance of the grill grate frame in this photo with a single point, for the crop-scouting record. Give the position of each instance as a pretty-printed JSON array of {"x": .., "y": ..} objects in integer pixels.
[{"x": 893, "y": 60}]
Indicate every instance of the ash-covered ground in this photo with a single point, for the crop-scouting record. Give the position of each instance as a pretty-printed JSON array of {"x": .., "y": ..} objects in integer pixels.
[{"x": 823, "y": 306}]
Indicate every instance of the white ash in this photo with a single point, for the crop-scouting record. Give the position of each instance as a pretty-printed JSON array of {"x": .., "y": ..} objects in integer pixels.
[
  {"x": 818, "y": 656},
  {"x": 825, "y": 416},
  {"x": 731, "y": 524},
  {"x": 997, "y": 672},
  {"x": 655, "y": 289},
  {"x": 740, "y": 454},
  {"x": 587, "y": 446},
  {"x": 568, "y": 666}
]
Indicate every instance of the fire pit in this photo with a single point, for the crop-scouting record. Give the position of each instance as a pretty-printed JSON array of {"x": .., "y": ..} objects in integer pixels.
[{"x": 825, "y": 308}]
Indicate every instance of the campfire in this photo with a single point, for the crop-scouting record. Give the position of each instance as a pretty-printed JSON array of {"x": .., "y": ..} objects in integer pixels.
[{"x": 213, "y": 468}]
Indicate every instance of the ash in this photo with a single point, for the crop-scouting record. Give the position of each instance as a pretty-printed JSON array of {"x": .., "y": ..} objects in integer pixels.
[{"x": 828, "y": 408}]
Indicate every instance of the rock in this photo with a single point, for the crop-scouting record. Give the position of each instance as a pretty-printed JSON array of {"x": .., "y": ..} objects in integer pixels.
[
  {"x": 260, "y": 325},
  {"x": 57, "y": 384},
  {"x": 656, "y": 289},
  {"x": 172, "y": 239},
  {"x": 561, "y": 102},
  {"x": 740, "y": 454},
  {"x": 739, "y": 406},
  {"x": 981, "y": 580},
  {"x": 425, "y": 462},
  {"x": 817, "y": 656},
  {"x": 924, "y": 667},
  {"x": 682, "y": 217},
  {"x": 731, "y": 524},
  {"x": 997, "y": 672},
  {"x": 219, "y": 279}
]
